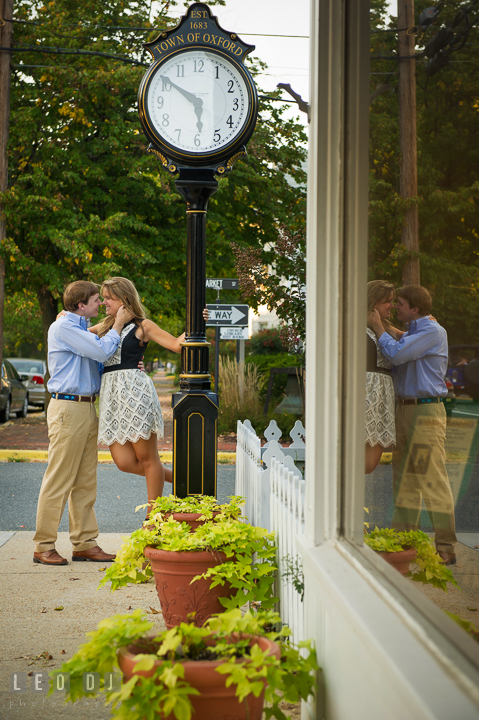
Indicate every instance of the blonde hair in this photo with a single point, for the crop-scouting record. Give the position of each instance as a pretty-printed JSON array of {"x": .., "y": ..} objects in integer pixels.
[
  {"x": 122, "y": 289},
  {"x": 380, "y": 291}
]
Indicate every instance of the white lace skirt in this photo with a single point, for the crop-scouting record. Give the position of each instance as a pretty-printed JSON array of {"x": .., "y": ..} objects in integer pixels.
[
  {"x": 380, "y": 409},
  {"x": 129, "y": 408}
]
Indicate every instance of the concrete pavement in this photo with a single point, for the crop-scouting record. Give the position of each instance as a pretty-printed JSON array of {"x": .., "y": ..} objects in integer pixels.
[{"x": 45, "y": 613}]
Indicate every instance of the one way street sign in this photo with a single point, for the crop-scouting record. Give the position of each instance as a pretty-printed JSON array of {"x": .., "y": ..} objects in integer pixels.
[{"x": 228, "y": 315}]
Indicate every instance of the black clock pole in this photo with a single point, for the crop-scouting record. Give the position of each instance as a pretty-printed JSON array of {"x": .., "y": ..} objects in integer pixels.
[{"x": 195, "y": 406}]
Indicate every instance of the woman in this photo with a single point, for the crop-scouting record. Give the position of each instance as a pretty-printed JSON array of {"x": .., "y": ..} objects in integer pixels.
[
  {"x": 130, "y": 413},
  {"x": 380, "y": 401}
]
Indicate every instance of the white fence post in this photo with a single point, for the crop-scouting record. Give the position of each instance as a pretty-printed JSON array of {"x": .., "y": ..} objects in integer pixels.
[{"x": 248, "y": 469}]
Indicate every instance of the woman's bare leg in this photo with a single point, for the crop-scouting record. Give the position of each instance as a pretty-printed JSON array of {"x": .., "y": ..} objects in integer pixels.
[
  {"x": 373, "y": 456},
  {"x": 125, "y": 459},
  {"x": 147, "y": 454},
  {"x": 142, "y": 458}
]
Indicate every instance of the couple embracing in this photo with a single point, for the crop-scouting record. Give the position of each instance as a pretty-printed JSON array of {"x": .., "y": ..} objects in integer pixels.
[
  {"x": 130, "y": 413},
  {"x": 405, "y": 411}
]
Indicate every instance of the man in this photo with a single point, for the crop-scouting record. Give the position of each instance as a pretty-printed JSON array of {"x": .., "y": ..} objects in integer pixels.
[
  {"x": 73, "y": 357},
  {"x": 419, "y": 470}
]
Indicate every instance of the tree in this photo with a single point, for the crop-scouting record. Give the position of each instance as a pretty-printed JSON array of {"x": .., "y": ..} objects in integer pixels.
[
  {"x": 280, "y": 285},
  {"x": 85, "y": 200},
  {"x": 448, "y": 187}
]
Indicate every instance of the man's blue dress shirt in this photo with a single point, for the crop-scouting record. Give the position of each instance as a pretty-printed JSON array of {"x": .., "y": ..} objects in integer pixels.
[
  {"x": 74, "y": 354},
  {"x": 419, "y": 359}
]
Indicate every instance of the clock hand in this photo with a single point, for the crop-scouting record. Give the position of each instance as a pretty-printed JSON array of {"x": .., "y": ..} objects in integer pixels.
[
  {"x": 199, "y": 112},
  {"x": 197, "y": 102}
]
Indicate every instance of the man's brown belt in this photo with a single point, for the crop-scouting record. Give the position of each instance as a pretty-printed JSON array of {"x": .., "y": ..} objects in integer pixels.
[
  {"x": 75, "y": 398},
  {"x": 420, "y": 401}
]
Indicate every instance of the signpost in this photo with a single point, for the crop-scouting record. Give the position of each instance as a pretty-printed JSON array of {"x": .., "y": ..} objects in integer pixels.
[
  {"x": 233, "y": 317},
  {"x": 198, "y": 107}
]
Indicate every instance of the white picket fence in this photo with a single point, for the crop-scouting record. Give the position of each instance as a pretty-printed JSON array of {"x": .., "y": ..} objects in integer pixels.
[
  {"x": 274, "y": 490},
  {"x": 287, "y": 520}
]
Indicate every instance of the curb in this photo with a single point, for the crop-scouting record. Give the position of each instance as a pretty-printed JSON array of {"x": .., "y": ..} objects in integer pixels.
[{"x": 104, "y": 456}]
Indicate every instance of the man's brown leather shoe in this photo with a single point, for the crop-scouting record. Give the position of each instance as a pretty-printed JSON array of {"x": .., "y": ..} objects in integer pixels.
[
  {"x": 447, "y": 558},
  {"x": 95, "y": 554},
  {"x": 49, "y": 557}
]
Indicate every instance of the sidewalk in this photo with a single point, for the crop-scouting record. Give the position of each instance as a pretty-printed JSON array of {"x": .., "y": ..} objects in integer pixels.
[{"x": 46, "y": 612}]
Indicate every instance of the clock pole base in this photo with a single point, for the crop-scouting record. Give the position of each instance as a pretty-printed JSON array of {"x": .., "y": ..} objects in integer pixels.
[{"x": 195, "y": 443}]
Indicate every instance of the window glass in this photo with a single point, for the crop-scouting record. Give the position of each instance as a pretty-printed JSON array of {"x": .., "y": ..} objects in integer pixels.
[
  {"x": 28, "y": 366},
  {"x": 11, "y": 372},
  {"x": 422, "y": 384}
]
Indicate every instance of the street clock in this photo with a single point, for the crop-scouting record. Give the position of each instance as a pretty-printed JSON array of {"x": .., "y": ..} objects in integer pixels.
[
  {"x": 198, "y": 103},
  {"x": 198, "y": 107}
]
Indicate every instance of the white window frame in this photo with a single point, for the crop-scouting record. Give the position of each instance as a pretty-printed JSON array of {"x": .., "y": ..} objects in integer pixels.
[{"x": 385, "y": 649}]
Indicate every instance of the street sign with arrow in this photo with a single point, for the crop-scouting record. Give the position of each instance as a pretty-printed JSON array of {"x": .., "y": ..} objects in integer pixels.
[{"x": 228, "y": 315}]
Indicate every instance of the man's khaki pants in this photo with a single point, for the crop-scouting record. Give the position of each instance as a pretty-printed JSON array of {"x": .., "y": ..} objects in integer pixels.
[
  {"x": 419, "y": 471},
  {"x": 70, "y": 475}
]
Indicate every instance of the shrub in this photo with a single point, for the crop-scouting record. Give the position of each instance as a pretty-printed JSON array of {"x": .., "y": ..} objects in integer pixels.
[
  {"x": 264, "y": 363},
  {"x": 239, "y": 396},
  {"x": 267, "y": 342}
]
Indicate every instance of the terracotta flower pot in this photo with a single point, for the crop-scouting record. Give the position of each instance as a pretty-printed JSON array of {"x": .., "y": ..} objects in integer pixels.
[
  {"x": 192, "y": 519},
  {"x": 400, "y": 560},
  {"x": 215, "y": 701},
  {"x": 173, "y": 573}
]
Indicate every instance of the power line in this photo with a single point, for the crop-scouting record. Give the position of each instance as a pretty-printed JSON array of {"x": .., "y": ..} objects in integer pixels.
[{"x": 62, "y": 51}]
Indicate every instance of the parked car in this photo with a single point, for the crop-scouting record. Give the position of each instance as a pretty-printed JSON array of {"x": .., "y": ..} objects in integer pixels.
[
  {"x": 463, "y": 370},
  {"x": 13, "y": 394},
  {"x": 32, "y": 373}
]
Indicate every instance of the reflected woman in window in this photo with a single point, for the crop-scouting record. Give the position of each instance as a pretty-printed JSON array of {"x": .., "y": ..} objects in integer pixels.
[{"x": 380, "y": 401}]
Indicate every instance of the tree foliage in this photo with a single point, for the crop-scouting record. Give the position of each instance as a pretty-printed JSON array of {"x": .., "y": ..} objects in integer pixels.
[
  {"x": 448, "y": 186},
  {"x": 280, "y": 285},
  {"x": 85, "y": 200}
]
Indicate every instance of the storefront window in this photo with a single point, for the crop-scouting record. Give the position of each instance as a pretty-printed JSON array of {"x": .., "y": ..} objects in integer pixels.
[{"x": 422, "y": 390}]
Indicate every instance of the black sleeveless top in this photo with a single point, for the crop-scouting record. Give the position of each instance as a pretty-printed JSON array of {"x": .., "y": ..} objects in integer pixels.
[
  {"x": 372, "y": 358},
  {"x": 131, "y": 352}
]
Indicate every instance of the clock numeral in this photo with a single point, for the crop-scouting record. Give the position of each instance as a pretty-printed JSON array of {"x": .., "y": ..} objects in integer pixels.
[
  {"x": 160, "y": 101},
  {"x": 197, "y": 140},
  {"x": 216, "y": 136},
  {"x": 165, "y": 86},
  {"x": 217, "y": 76},
  {"x": 177, "y": 130},
  {"x": 235, "y": 104},
  {"x": 199, "y": 66},
  {"x": 166, "y": 120},
  {"x": 180, "y": 71},
  {"x": 230, "y": 86},
  {"x": 230, "y": 121}
]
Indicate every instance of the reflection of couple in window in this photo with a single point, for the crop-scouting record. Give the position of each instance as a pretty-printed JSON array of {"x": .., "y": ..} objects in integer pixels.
[{"x": 417, "y": 429}]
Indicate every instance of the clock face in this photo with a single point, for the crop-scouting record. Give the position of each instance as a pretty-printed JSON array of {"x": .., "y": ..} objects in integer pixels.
[{"x": 197, "y": 102}]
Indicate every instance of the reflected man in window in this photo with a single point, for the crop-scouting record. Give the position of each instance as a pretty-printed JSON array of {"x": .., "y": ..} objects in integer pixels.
[{"x": 419, "y": 468}]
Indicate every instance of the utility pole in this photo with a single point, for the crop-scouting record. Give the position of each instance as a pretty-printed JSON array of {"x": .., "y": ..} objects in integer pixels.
[
  {"x": 6, "y": 14},
  {"x": 407, "y": 138}
]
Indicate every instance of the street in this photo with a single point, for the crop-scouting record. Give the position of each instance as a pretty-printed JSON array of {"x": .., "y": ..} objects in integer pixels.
[{"x": 119, "y": 494}]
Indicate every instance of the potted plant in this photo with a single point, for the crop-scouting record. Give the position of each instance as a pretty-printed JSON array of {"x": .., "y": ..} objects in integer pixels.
[
  {"x": 195, "y": 510},
  {"x": 224, "y": 563},
  {"x": 400, "y": 548},
  {"x": 227, "y": 668}
]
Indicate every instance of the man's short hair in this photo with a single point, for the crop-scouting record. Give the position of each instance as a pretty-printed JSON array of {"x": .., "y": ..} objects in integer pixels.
[
  {"x": 78, "y": 292},
  {"x": 417, "y": 296}
]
